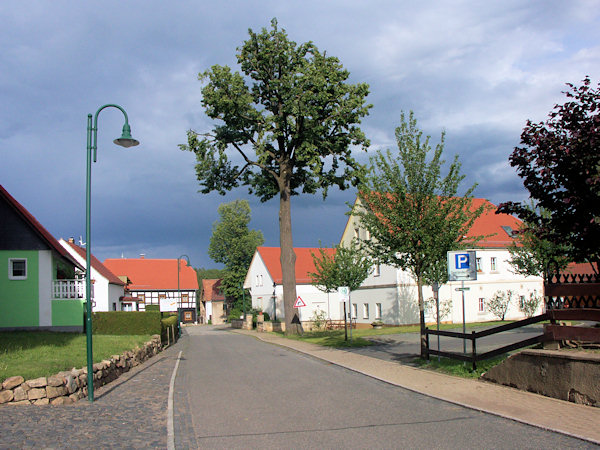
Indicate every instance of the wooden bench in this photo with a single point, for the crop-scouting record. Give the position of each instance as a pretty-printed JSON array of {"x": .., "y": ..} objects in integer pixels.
[{"x": 337, "y": 325}]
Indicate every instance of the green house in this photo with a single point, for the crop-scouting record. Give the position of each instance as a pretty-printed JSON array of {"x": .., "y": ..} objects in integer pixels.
[{"x": 38, "y": 288}]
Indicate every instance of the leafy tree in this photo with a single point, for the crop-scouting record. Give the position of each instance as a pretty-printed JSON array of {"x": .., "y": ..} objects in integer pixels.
[
  {"x": 531, "y": 255},
  {"x": 559, "y": 162},
  {"x": 233, "y": 245},
  {"x": 413, "y": 213},
  {"x": 499, "y": 303},
  {"x": 342, "y": 266},
  {"x": 290, "y": 130}
]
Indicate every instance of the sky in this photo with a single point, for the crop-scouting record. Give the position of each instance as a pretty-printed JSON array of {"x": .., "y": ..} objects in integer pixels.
[{"x": 475, "y": 70}]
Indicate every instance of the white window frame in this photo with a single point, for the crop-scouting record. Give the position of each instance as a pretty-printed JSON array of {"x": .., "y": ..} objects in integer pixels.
[
  {"x": 354, "y": 310},
  {"x": 481, "y": 305},
  {"x": 493, "y": 264},
  {"x": 478, "y": 263},
  {"x": 365, "y": 310},
  {"x": 377, "y": 270},
  {"x": 378, "y": 310},
  {"x": 11, "y": 275}
]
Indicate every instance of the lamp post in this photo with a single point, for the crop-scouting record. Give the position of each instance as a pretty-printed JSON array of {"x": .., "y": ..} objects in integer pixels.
[
  {"x": 187, "y": 258},
  {"x": 92, "y": 139}
]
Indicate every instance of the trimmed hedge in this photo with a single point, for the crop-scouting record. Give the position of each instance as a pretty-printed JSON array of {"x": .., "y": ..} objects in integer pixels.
[
  {"x": 152, "y": 307},
  {"x": 168, "y": 322},
  {"x": 126, "y": 322}
]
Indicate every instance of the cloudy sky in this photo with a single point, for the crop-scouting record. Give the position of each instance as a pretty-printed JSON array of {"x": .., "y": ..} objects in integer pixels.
[{"x": 477, "y": 70}]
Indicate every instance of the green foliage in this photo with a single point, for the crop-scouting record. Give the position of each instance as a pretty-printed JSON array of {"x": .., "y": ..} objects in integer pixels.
[
  {"x": 291, "y": 129},
  {"x": 559, "y": 163},
  {"x": 499, "y": 303},
  {"x": 233, "y": 245},
  {"x": 235, "y": 313},
  {"x": 318, "y": 319},
  {"x": 344, "y": 266},
  {"x": 530, "y": 305},
  {"x": 152, "y": 307},
  {"x": 413, "y": 213},
  {"x": 126, "y": 322},
  {"x": 534, "y": 255}
]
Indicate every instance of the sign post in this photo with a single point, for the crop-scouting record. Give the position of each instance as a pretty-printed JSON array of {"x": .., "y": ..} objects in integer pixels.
[
  {"x": 462, "y": 266},
  {"x": 344, "y": 295}
]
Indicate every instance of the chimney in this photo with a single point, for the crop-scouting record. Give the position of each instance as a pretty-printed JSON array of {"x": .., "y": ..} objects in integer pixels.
[
  {"x": 142, "y": 255},
  {"x": 71, "y": 240}
]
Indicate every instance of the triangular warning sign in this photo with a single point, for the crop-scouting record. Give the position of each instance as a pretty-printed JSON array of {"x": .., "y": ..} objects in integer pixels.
[{"x": 299, "y": 303}]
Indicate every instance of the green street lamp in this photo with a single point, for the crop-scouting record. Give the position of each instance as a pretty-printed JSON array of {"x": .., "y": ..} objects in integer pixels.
[
  {"x": 92, "y": 139},
  {"x": 178, "y": 289}
]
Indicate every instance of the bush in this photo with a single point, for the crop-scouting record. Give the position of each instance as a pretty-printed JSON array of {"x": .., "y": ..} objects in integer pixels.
[
  {"x": 152, "y": 307},
  {"x": 126, "y": 322},
  {"x": 234, "y": 314},
  {"x": 168, "y": 322}
]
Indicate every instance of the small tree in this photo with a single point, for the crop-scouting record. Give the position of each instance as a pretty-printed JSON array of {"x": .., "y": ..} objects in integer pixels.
[
  {"x": 532, "y": 255},
  {"x": 340, "y": 266},
  {"x": 445, "y": 308},
  {"x": 291, "y": 131},
  {"x": 559, "y": 162},
  {"x": 530, "y": 305},
  {"x": 499, "y": 303},
  {"x": 413, "y": 213},
  {"x": 233, "y": 244}
]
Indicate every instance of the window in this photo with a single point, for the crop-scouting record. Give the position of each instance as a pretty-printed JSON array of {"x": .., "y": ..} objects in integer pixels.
[
  {"x": 365, "y": 310},
  {"x": 357, "y": 233},
  {"x": 354, "y": 310},
  {"x": 377, "y": 270},
  {"x": 478, "y": 262},
  {"x": 141, "y": 298},
  {"x": 378, "y": 310},
  {"x": 521, "y": 301},
  {"x": 17, "y": 269},
  {"x": 481, "y": 305},
  {"x": 493, "y": 264}
]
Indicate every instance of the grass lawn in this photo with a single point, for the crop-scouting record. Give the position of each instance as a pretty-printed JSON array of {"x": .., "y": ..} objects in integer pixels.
[
  {"x": 41, "y": 354},
  {"x": 458, "y": 368},
  {"x": 335, "y": 338}
]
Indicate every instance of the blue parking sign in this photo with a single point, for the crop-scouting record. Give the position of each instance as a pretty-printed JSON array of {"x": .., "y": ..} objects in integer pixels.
[
  {"x": 461, "y": 260},
  {"x": 462, "y": 265}
]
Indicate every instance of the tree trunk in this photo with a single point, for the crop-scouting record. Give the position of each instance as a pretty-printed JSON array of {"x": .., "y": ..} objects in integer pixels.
[
  {"x": 421, "y": 315},
  {"x": 288, "y": 262}
]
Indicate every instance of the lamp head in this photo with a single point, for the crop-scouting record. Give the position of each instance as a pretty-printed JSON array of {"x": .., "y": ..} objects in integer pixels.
[{"x": 126, "y": 140}]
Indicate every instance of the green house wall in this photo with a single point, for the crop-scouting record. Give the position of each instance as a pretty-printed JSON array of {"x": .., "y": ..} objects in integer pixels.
[
  {"x": 67, "y": 313},
  {"x": 19, "y": 299}
]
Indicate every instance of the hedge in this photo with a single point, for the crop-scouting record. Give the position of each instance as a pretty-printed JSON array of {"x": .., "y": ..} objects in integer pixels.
[{"x": 126, "y": 322}]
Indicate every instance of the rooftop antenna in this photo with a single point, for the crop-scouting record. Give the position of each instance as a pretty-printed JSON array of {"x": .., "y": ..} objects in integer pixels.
[{"x": 81, "y": 243}]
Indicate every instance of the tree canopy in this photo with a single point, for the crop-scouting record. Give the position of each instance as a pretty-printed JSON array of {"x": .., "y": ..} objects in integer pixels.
[
  {"x": 233, "y": 244},
  {"x": 286, "y": 125},
  {"x": 412, "y": 211},
  {"x": 559, "y": 162}
]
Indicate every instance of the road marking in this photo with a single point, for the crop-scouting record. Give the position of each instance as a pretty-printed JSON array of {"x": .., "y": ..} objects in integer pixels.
[{"x": 170, "y": 430}]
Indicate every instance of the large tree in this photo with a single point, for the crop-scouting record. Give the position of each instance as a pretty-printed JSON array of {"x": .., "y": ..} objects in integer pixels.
[
  {"x": 559, "y": 162},
  {"x": 289, "y": 120},
  {"x": 233, "y": 244},
  {"x": 412, "y": 211}
]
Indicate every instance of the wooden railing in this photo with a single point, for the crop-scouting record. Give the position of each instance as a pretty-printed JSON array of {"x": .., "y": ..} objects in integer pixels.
[
  {"x": 572, "y": 291},
  {"x": 474, "y": 357}
]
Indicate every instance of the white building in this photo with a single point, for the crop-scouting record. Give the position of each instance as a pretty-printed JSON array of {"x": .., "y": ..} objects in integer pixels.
[
  {"x": 107, "y": 289},
  {"x": 264, "y": 280},
  {"x": 390, "y": 294}
]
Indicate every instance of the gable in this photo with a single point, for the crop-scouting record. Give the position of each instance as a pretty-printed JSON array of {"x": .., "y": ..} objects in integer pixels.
[
  {"x": 154, "y": 274},
  {"x": 16, "y": 233},
  {"x": 271, "y": 257}
]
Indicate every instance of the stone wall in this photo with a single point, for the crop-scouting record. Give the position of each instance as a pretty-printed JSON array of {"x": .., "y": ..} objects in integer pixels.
[
  {"x": 564, "y": 374},
  {"x": 69, "y": 386}
]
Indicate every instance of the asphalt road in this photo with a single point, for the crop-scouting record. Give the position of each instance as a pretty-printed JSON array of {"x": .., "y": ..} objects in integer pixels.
[
  {"x": 233, "y": 391},
  {"x": 405, "y": 347}
]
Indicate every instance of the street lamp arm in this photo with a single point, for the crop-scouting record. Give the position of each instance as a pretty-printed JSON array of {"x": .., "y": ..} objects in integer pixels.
[{"x": 94, "y": 129}]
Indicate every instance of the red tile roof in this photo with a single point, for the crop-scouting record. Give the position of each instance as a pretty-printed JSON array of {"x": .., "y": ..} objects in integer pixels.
[
  {"x": 96, "y": 264},
  {"x": 211, "y": 290},
  {"x": 271, "y": 256},
  {"x": 37, "y": 226},
  {"x": 490, "y": 223},
  {"x": 153, "y": 274}
]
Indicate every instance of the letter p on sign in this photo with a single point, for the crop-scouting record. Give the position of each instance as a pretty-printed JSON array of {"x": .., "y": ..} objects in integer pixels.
[{"x": 462, "y": 260}]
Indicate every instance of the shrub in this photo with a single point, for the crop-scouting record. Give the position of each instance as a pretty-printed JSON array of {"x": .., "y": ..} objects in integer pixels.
[
  {"x": 126, "y": 322},
  {"x": 498, "y": 305},
  {"x": 152, "y": 307},
  {"x": 318, "y": 319},
  {"x": 530, "y": 306}
]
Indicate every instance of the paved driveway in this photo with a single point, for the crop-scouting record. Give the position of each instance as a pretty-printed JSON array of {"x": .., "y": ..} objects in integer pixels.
[{"x": 405, "y": 347}]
